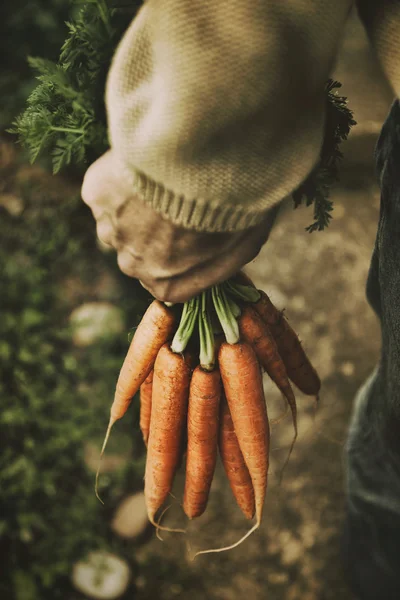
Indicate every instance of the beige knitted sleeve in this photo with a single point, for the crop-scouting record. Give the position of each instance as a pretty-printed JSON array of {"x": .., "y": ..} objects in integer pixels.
[
  {"x": 382, "y": 23},
  {"x": 216, "y": 107}
]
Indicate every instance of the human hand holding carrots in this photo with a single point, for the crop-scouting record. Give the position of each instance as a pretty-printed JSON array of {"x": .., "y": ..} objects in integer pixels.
[
  {"x": 173, "y": 263},
  {"x": 195, "y": 383}
]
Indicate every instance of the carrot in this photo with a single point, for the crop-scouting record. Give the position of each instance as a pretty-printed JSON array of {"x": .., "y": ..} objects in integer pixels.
[
  {"x": 155, "y": 328},
  {"x": 202, "y": 431},
  {"x": 256, "y": 333},
  {"x": 241, "y": 377},
  {"x": 242, "y": 381},
  {"x": 234, "y": 465},
  {"x": 192, "y": 359},
  {"x": 297, "y": 363},
  {"x": 145, "y": 406},
  {"x": 168, "y": 420}
]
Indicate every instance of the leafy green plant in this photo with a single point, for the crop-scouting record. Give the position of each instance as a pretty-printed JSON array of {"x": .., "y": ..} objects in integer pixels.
[
  {"x": 316, "y": 189},
  {"x": 54, "y": 396},
  {"x": 35, "y": 27},
  {"x": 65, "y": 115}
]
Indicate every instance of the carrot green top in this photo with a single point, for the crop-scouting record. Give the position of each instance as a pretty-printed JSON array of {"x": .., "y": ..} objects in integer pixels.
[{"x": 216, "y": 108}]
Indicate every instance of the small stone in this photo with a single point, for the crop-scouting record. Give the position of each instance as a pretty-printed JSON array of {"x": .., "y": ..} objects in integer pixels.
[
  {"x": 130, "y": 519},
  {"x": 309, "y": 534},
  {"x": 320, "y": 317},
  {"x": 347, "y": 369},
  {"x": 12, "y": 203},
  {"x": 278, "y": 578},
  {"x": 298, "y": 303},
  {"x": 102, "y": 576},
  {"x": 291, "y": 551},
  {"x": 95, "y": 320}
]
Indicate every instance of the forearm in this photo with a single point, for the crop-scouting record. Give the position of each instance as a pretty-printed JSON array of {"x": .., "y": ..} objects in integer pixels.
[{"x": 216, "y": 110}]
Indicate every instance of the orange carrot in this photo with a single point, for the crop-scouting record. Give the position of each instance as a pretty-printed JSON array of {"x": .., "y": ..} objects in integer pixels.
[
  {"x": 256, "y": 333},
  {"x": 192, "y": 359},
  {"x": 168, "y": 420},
  {"x": 297, "y": 363},
  {"x": 155, "y": 328},
  {"x": 202, "y": 431},
  {"x": 242, "y": 381},
  {"x": 234, "y": 465},
  {"x": 241, "y": 377},
  {"x": 145, "y": 406}
]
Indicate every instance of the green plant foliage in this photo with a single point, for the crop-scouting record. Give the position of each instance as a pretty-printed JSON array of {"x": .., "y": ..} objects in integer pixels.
[
  {"x": 35, "y": 27},
  {"x": 315, "y": 190},
  {"x": 65, "y": 116},
  {"x": 54, "y": 397}
]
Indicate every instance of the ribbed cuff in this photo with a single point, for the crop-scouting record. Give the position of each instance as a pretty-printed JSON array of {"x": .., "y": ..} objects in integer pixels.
[{"x": 197, "y": 213}]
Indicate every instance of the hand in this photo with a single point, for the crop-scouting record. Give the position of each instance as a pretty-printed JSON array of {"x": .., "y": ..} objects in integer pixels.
[{"x": 173, "y": 263}]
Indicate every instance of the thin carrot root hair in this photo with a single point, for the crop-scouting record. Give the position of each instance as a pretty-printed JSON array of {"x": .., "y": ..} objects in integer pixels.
[
  {"x": 225, "y": 548},
  {"x": 96, "y": 485},
  {"x": 159, "y": 521},
  {"x": 287, "y": 458},
  {"x": 293, "y": 408},
  {"x": 159, "y": 527},
  {"x": 282, "y": 416}
]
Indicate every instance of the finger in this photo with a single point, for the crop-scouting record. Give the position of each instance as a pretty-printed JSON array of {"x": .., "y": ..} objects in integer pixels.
[
  {"x": 212, "y": 272},
  {"x": 101, "y": 188},
  {"x": 106, "y": 230},
  {"x": 129, "y": 264},
  {"x": 172, "y": 248},
  {"x": 91, "y": 189}
]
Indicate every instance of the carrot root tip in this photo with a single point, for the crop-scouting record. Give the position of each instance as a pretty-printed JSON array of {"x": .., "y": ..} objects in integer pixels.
[
  {"x": 162, "y": 527},
  {"x": 96, "y": 485},
  {"x": 288, "y": 458},
  {"x": 242, "y": 539}
]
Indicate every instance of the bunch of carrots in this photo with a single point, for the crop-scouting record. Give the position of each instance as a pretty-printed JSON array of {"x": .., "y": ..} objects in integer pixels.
[{"x": 201, "y": 390}]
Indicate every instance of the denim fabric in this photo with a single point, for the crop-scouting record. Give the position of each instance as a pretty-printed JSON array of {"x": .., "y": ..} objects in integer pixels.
[{"x": 372, "y": 528}]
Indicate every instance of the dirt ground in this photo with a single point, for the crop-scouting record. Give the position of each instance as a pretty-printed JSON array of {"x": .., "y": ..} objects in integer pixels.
[{"x": 320, "y": 280}]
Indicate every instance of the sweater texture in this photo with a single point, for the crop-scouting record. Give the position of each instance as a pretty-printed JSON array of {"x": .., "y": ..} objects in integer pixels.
[{"x": 216, "y": 109}]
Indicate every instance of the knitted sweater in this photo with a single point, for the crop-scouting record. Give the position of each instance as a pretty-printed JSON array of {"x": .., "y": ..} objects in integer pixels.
[{"x": 216, "y": 107}]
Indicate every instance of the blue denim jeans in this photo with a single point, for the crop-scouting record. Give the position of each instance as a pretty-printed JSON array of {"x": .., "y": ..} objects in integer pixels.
[{"x": 372, "y": 527}]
